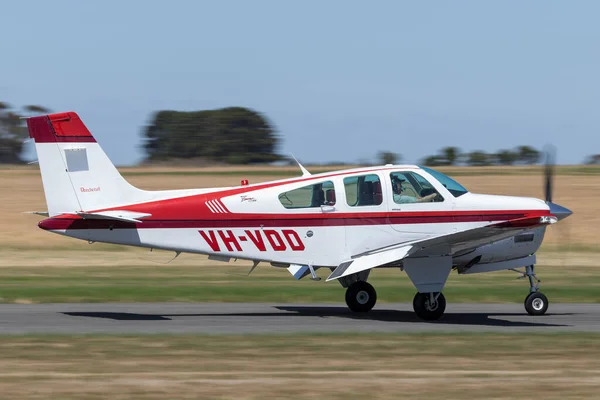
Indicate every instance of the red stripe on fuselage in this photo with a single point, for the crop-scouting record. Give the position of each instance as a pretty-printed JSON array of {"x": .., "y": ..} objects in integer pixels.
[
  {"x": 194, "y": 207},
  {"x": 269, "y": 220}
]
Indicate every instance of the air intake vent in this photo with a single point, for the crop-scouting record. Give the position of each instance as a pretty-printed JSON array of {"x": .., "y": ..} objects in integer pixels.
[{"x": 524, "y": 237}]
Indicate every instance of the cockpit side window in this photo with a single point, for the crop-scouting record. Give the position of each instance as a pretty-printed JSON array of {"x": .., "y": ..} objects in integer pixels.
[{"x": 409, "y": 187}]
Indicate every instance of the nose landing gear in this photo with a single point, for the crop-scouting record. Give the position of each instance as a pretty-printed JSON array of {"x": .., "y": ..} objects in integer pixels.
[{"x": 536, "y": 303}]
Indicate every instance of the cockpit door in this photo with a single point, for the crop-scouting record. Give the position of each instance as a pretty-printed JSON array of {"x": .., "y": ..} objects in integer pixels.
[
  {"x": 415, "y": 204},
  {"x": 365, "y": 210}
]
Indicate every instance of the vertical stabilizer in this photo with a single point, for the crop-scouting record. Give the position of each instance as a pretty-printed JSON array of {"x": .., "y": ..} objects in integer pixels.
[{"x": 76, "y": 173}]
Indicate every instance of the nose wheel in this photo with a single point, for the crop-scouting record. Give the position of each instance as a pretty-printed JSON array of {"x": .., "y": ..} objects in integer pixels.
[
  {"x": 536, "y": 303},
  {"x": 361, "y": 296}
]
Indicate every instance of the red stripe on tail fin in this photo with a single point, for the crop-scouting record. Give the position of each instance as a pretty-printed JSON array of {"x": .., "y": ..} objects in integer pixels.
[
  {"x": 59, "y": 127},
  {"x": 40, "y": 129}
]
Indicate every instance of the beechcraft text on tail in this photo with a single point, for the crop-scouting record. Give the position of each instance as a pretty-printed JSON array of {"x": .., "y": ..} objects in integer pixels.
[{"x": 348, "y": 223}]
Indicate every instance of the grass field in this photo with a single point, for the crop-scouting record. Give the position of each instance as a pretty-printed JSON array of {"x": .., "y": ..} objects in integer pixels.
[
  {"x": 36, "y": 266},
  {"x": 374, "y": 366}
]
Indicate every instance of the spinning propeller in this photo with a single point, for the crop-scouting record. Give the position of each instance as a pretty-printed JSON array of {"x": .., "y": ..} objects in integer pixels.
[
  {"x": 559, "y": 211},
  {"x": 550, "y": 154}
]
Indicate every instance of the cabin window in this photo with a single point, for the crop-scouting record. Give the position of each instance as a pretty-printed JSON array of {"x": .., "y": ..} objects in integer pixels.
[
  {"x": 363, "y": 190},
  {"x": 408, "y": 187},
  {"x": 317, "y": 195}
]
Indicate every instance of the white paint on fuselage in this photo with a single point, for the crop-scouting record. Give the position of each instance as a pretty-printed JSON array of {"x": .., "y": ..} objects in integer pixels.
[
  {"x": 328, "y": 246},
  {"x": 482, "y": 202},
  {"x": 323, "y": 246}
]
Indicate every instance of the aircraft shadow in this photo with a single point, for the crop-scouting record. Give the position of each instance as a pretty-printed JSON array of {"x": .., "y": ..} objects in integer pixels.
[
  {"x": 449, "y": 318},
  {"x": 478, "y": 319}
]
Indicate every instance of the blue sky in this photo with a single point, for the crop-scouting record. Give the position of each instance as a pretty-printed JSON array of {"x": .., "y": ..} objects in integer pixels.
[{"x": 340, "y": 80}]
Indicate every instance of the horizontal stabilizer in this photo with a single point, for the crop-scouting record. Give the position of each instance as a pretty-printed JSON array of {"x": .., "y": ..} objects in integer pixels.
[
  {"x": 42, "y": 213},
  {"x": 117, "y": 215}
]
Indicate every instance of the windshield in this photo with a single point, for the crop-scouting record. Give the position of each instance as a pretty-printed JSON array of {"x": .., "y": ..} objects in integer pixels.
[{"x": 455, "y": 188}]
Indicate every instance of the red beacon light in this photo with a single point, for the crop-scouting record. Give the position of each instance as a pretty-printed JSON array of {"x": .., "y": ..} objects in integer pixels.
[{"x": 244, "y": 182}]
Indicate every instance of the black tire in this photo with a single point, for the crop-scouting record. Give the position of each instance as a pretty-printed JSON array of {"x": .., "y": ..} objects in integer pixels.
[
  {"x": 424, "y": 310},
  {"x": 361, "y": 296},
  {"x": 536, "y": 303}
]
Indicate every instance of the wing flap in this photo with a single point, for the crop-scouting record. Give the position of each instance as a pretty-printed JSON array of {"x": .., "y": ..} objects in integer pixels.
[{"x": 369, "y": 261}]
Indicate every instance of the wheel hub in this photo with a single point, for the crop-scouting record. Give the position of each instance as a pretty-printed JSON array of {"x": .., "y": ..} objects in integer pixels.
[
  {"x": 537, "y": 304},
  {"x": 362, "y": 297},
  {"x": 431, "y": 305}
]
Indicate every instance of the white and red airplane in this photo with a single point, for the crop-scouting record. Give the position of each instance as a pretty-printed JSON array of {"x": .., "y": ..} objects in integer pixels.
[{"x": 349, "y": 222}]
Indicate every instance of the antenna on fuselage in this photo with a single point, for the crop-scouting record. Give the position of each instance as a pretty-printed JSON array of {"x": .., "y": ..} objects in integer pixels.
[{"x": 304, "y": 170}]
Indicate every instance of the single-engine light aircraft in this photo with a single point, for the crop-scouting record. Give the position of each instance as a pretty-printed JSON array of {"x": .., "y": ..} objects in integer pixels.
[{"x": 408, "y": 217}]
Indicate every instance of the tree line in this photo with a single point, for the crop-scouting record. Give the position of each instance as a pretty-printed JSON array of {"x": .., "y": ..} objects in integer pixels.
[
  {"x": 234, "y": 135},
  {"x": 522, "y": 155},
  {"x": 449, "y": 156},
  {"x": 13, "y": 131}
]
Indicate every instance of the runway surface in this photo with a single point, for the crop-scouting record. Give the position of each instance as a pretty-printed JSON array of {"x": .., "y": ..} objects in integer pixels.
[{"x": 240, "y": 318}]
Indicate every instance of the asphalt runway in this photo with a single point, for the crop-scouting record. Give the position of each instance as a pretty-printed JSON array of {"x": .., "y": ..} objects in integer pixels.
[{"x": 244, "y": 318}]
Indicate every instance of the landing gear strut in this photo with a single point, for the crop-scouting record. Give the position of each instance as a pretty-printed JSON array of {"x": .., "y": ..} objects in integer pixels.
[
  {"x": 429, "y": 306},
  {"x": 361, "y": 296},
  {"x": 536, "y": 303}
]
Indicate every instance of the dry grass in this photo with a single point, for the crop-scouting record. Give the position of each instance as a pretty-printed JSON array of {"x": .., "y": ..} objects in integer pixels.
[
  {"x": 456, "y": 366},
  {"x": 581, "y": 194},
  {"x": 27, "y": 252},
  {"x": 21, "y": 190}
]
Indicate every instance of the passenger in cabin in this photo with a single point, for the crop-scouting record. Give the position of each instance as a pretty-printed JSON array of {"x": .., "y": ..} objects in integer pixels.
[{"x": 400, "y": 198}]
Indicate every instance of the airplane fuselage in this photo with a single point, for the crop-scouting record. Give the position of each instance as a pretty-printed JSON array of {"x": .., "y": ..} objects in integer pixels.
[{"x": 252, "y": 222}]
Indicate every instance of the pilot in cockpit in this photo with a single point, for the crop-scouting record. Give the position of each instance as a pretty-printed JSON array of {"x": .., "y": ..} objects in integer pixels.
[{"x": 401, "y": 198}]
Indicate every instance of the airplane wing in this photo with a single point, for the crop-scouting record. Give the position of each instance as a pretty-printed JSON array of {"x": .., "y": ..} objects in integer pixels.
[{"x": 450, "y": 243}]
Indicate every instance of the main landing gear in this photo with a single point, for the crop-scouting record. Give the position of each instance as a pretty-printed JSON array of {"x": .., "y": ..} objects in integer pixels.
[
  {"x": 536, "y": 303},
  {"x": 429, "y": 306},
  {"x": 361, "y": 296}
]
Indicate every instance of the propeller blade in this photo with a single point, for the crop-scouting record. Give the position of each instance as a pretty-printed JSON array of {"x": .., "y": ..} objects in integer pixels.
[{"x": 549, "y": 172}]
